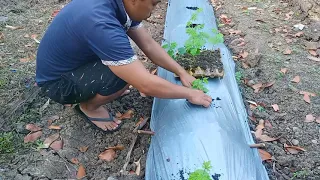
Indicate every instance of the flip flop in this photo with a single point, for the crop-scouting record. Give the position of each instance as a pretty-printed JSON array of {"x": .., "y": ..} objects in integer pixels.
[{"x": 89, "y": 120}]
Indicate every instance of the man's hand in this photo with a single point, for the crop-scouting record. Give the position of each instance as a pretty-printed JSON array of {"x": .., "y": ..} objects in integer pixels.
[
  {"x": 137, "y": 75},
  {"x": 200, "y": 98},
  {"x": 186, "y": 79}
]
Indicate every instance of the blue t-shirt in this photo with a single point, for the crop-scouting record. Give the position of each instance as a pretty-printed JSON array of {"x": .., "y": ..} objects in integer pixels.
[{"x": 85, "y": 31}]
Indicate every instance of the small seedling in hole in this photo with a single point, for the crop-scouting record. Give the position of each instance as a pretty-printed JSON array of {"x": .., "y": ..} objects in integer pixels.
[
  {"x": 260, "y": 108},
  {"x": 203, "y": 173},
  {"x": 280, "y": 75},
  {"x": 199, "y": 84},
  {"x": 301, "y": 174},
  {"x": 239, "y": 76},
  {"x": 39, "y": 145},
  {"x": 246, "y": 12}
]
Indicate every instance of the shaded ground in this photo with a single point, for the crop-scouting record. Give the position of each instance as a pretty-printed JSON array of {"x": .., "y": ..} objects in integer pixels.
[
  {"x": 263, "y": 39},
  {"x": 21, "y": 102}
]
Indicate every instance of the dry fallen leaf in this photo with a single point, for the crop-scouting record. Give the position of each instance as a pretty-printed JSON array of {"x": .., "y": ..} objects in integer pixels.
[
  {"x": 108, "y": 155},
  {"x": 74, "y": 161},
  {"x": 224, "y": 19},
  {"x": 138, "y": 169},
  {"x": 83, "y": 149},
  {"x": 299, "y": 34},
  {"x": 313, "y": 58},
  {"x": 49, "y": 140},
  {"x": 288, "y": 40},
  {"x": 318, "y": 120},
  {"x": 309, "y": 118},
  {"x": 284, "y": 70},
  {"x": 118, "y": 115},
  {"x": 313, "y": 52},
  {"x": 269, "y": 84},
  {"x": 306, "y": 98},
  {"x": 1, "y": 36},
  {"x": 32, "y": 137},
  {"x": 257, "y": 87},
  {"x": 244, "y": 54},
  {"x": 308, "y": 93},
  {"x": 287, "y": 51},
  {"x": 296, "y": 79},
  {"x": 33, "y": 127},
  {"x": 289, "y": 15},
  {"x": 24, "y": 60},
  {"x": 253, "y": 103},
  {"x": 117, "y": 147},
  {"x": 55, "y": 127},
  {"x": 81, "y": 172},
  {"x": 268, "y": 124},
  {"x": 127, "y": 115},
  {"x": 232, "y": 31},
  {"x": 266, "y": 138},
  {"x": 259, "y": 129},
  {"x": 57, "y": 145},
  {"x": 264, "y": 155},
  {"x": 275, "y": 107},
  {"x": 33, "y": 36},
  {"x": 293, "y": 149},
  {"x": 245, "y": 65},
  {"x": 52, "y": 119}
]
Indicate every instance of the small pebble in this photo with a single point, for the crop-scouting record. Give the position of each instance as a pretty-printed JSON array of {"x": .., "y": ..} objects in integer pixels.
[
  {"x": 295, "y": 142},
  {"x": 295, "y": 129},
  {"x": 314, "y": 141},
  {"x": 251, "y": 82}
]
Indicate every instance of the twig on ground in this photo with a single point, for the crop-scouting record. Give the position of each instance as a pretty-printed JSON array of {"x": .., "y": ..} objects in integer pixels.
[
  {"x": 128, "y": 155},
  {"x": 260, "y": 145},
  {"x": 146, "y": 132}
]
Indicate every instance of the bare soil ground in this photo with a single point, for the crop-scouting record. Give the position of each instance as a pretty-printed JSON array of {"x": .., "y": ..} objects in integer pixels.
[
  {"x": 269, "y": 49},
  {"x": 22, "y": 23}
]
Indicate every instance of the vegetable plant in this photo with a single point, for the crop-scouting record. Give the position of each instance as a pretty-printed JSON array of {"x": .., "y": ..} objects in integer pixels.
[
  {"x": 203, "y": 173},
  {"x": 197, "y": 38},
  {"x": 171, "y": 49},
  {"x": 199, "y": 84}
]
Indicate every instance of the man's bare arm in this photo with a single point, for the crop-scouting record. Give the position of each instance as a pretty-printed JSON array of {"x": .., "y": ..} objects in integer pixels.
[
  {"x": 154, "y": 51},
  {"x": 136, "y": 75}
]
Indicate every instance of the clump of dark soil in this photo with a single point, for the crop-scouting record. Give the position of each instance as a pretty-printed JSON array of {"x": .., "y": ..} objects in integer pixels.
[{"x": 206, "y": 64}]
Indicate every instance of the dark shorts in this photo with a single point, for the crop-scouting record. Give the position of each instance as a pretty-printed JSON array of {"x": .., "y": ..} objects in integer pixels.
[{"x": 83, "y": 84}]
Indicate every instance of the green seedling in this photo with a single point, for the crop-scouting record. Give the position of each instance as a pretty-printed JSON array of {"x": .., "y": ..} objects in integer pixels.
[
  {"x": 260, "y": 108},
  {"x": 203, "y": 173},
  {"x": 3, "y": 82},
  {"x": 199, "y": 84},
  {"x": 6, "y": 143},
  {"x": 301, "y": 174},
  {"x": 39, "y": 145},
  {"x": 239, "y": 76},
  {"x": 197, "y": 38},
  {"x": 246, "y": 11},
  {"x": 280, "y": 75},
  {"x": 171, "y": 49}
]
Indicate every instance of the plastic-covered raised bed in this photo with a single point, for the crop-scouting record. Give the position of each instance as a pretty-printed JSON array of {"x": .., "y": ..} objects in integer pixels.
[{"x": 194, "y": 141}]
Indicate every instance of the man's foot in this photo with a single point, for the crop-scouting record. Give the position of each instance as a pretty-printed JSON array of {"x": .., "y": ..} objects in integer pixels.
[{"x": 101, "y": 112}]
